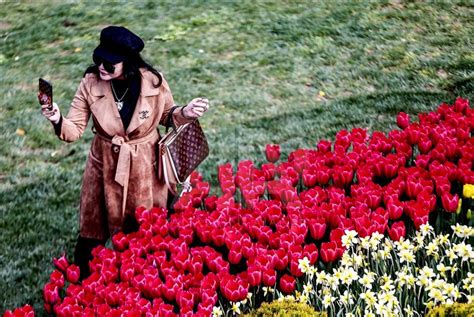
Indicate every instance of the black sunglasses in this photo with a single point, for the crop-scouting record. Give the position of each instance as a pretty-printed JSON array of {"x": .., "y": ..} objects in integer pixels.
[{"x": 108, "y": 66}]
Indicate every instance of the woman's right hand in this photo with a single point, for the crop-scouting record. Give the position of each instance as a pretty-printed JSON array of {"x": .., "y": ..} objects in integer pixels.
[{"x": 51, "y": 113}]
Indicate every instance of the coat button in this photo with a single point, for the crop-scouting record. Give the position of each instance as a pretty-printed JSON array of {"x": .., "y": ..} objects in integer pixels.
[{"x": 116, "y": 149}]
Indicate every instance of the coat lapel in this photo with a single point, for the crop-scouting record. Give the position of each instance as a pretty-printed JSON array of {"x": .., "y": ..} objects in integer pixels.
[
  {"x": 143, "y": 110},
  {"x": 104, "y": 109}
]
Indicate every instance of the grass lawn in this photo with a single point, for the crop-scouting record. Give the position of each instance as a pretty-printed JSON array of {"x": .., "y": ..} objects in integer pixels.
[{"x": 288, "y": 72}]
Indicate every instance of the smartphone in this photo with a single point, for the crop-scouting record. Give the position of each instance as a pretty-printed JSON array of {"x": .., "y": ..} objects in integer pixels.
[{"x": 45, "y": 95}]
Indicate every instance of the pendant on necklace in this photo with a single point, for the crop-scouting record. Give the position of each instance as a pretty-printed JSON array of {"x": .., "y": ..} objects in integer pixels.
[{"x": 119, "y": 105}]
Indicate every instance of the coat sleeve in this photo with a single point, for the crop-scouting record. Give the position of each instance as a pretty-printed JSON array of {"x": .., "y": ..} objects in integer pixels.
[
  {"x": 178, "y": 118},
  {"x": 73, "y": 125}
]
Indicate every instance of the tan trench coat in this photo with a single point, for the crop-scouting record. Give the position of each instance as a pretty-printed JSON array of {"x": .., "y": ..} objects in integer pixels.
[{"x": 120, "y": 171}]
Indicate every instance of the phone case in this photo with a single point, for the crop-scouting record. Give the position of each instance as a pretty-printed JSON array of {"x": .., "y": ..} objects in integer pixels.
[{"x": 45, "y": 96}]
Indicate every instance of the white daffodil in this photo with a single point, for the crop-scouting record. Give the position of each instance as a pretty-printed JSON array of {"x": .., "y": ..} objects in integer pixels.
[
  {"x": 454, "y": 269},
  {"x": 311, "y": 272},
  {"x": 436, "y": 295},
  {"x": 304, "y": 264},
  {"x": 349, "y": 275},
  {"x": 375, "y": 240},
  {"x": 308, "y": 289},
  {"x": 419, "y": 239},
  {"x": 407, "y": 256},
  {"x": 235, "y": 308},
  {"x": 347, "y": 260},
  {"x": 468, "y": 282},
  {"x": 470, "y": 299},
  {"x": 459, "y": 230},
  {"x": 432, "y": 249},
  {"x": 426, "y": 229},
  {"x": 358, "y": 260},
  {"x": 428, "y": 272},
  {"x": 451, "y": 255},
  {"x": 387, "y": 285},
  {"x": 443, "y": 239},
  {"x": 442, "y": 269},
  {"x": 451, "y": 290},
  {"x": 349, "y": 238},
  {"x": 369, "y": 298},
  {"x": 217, "y": 311},
  {"x": 409, "y": 312},
  {"x": 321, "y": 277},
  {"x": 365, "y": 243},
  {"x": 303, "y": 298},
  {"x": 267, "y": 290},
  {"x": 347, "y": 298},
  {"x": 327, "y": 300},
  {"x": 463, "y": 251},
  {"x": 332, "y": 281},
  {"x": 367, "y": 279}
]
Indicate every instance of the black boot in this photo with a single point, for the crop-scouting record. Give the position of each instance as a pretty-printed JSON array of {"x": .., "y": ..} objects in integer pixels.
[{"x": 83, "y": 254}]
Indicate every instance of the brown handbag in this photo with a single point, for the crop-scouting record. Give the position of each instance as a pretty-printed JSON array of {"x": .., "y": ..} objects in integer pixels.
[{"x": 180, "y": 151}]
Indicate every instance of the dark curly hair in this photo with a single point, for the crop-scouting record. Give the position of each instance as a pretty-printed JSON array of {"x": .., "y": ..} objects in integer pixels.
[{"x": 131, "y": 68}]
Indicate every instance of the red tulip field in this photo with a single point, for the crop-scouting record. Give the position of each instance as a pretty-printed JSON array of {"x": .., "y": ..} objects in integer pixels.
[{"x": 319, "y": 227}]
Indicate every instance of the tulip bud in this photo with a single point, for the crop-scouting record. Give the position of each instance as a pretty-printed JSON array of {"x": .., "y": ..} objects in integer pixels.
[
  {"x": 61, "y": 263},
  {"x": 272, "y": 152},
  {"x": 287, "y": 284},
  {"x": 73, "y": 273}
]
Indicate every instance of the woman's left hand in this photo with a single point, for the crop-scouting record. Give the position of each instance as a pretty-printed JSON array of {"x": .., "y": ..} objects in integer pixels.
[{"x": 196, "y": 108}]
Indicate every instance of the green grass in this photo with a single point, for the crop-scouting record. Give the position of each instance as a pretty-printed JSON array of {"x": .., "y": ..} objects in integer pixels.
[{"x": 261, "y": 64}]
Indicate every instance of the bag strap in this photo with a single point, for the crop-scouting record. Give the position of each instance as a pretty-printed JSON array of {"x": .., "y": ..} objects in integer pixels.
[
  {"x": 169, "y": 121},
  {"x": 186, "y": 184}
]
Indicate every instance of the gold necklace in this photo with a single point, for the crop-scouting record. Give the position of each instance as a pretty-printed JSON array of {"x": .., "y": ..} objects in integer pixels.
[{"x": 119, "y": 101}]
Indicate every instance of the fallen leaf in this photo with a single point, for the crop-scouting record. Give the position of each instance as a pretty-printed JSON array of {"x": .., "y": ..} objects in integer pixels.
[
  {"x": 77, "y": 49},
  {"x": 20, "y": 131}
]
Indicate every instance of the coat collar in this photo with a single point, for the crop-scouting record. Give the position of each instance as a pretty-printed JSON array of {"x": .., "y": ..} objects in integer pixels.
[
  {"x": 101, "y": 88},
  {"x": 105, "y": 106}
]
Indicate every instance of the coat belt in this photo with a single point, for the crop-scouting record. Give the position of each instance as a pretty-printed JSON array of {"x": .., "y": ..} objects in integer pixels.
[{"x": 124, "y": 146}]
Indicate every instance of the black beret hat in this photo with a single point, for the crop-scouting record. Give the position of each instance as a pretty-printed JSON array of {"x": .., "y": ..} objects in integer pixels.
[{"x": 118, "y": 44}]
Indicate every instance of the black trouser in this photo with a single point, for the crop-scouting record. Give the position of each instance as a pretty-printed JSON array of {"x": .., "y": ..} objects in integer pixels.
[
  {"x": 83, "y": 254},
  {"x": 84, "y": 247}
]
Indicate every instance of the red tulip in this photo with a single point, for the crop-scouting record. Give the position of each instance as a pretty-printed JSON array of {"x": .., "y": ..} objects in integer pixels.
[
  {"x": 450, "y": 202},
  {"x": 73, "y": 273},
  {"x": 397, "y": 231},
  {"x": 294, "y": 265},
  {"x": 395, "y": 209},
  {"x": 330, "y": 252},
  {"x": 272, "y": 152},
  {"x": 57, "y": 278},
  {"x": 461, "y": 105},
  {"x": 254, "y": 275},
  {"x": 309, "y": 178},
  {"x": 323, "y": 175},
  {"x": 403, "y": 120},
  {"x": 269, "y": 277},
  {"x": 233, "y": 288},
  {"x": 287, "y": 284},
  {"x": 51, "y": 294},
  {"x": 61, "y": 263}
]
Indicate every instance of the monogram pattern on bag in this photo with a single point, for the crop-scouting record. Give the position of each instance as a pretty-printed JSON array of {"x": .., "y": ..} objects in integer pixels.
[{"x": 189, "y": 149}]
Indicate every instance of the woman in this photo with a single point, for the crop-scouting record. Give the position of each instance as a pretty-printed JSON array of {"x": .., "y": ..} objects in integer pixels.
[{"x": 127, "y": 99}]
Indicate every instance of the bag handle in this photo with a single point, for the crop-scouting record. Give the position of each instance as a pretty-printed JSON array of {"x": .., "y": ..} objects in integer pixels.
[{"x": 169, "y": 121}]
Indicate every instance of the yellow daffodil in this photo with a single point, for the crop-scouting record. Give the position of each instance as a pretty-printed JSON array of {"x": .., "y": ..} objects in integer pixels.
[{"x": 468, "y": 191}]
